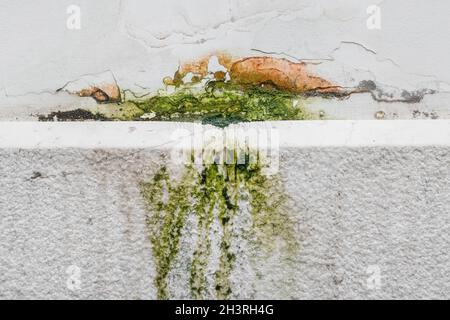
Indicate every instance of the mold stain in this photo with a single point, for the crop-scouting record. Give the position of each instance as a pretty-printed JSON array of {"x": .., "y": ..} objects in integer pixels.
[
  {"x": 219, "y": 89},
  {"x": 214, "y": 194},
  {"x": 220, "y": 103},
  {"x": 72, "y": 115}
]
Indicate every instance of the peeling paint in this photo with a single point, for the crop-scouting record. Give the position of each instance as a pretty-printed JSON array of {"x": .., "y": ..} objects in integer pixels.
[
  {"x": 221, "y": 103},
  {"x": 102, "y": 87},
  {"x": 102, "y": 94},
  {"x": 220, "y": 89},
  {"x": 381, "y": 95},
  {"x": 281, "y": 73}
]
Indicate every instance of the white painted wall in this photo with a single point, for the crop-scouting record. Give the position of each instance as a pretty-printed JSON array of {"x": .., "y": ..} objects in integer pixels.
[{"x": 140, "y": 42}]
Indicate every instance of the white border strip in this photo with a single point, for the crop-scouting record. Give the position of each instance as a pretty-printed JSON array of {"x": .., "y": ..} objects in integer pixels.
[{"x": 337, "y": 133}]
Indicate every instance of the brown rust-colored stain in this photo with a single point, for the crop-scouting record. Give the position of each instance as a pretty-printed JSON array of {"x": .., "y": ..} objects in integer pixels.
[
  {"x": 278, "y": 72},
  {"x": 197, "y": 67},
  {"x": 220, "y": 75},
  {"x": 281, "y": 73}
]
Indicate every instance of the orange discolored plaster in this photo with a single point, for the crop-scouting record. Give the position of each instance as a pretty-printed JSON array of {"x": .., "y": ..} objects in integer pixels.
[
  {"x": 278, "y": 72},
  {"x": 281, "y": 73},
  {"x": 102, "y": 93}
]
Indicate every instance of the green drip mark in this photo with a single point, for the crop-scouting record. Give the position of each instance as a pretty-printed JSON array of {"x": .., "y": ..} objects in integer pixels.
[
  {"x": 168, "y": 220},
  {"x": 270, "y": 210},
  {"x": 228, "y": 207},
  {"x": 206, "y": 196},
  {"x": 213, "y": 194}
]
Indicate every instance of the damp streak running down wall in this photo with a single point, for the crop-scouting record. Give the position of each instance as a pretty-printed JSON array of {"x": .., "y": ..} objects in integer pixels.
[{"x": 215, "y": 194}]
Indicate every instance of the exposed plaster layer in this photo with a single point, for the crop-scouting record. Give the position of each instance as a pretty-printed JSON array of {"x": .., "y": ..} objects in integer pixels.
[{"x": 102, "y": 87}]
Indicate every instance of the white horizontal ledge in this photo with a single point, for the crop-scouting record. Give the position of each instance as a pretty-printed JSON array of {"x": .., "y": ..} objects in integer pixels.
[{"x": 333, "y": 133}]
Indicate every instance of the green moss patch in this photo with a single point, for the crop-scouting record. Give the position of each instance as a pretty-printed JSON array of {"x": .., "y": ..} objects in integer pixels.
[
  {"x": 221, "y": 103},
  {"x": 218, "y": 103}
]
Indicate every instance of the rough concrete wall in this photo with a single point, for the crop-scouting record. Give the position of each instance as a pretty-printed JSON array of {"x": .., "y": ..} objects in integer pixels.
[{"x": 356, "y": 211}]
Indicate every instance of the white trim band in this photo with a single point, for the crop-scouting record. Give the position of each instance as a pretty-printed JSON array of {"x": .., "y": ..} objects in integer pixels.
[{"x": 333, "y": 133}]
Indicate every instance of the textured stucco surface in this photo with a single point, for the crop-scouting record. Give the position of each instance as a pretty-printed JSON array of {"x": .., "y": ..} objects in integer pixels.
[{"x": 353, "y": 208}]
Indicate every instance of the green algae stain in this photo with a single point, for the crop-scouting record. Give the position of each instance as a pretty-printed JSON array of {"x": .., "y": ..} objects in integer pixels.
[
  {"x": 215, "y": 193},
  {"x": 167, "y": 221},
  {"x": 221, "y": 104},
  {"x": 218, "y": 103}
]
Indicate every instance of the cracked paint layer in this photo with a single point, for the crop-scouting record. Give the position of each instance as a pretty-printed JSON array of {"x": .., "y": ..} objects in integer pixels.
[
  {"x": 280, "y": 73},
  {"x": 102, "y": 87},
  {"x": 140, "y": 42},
  {"x": 220, "y": 89},
  {"x": 103, "y": 93}
]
